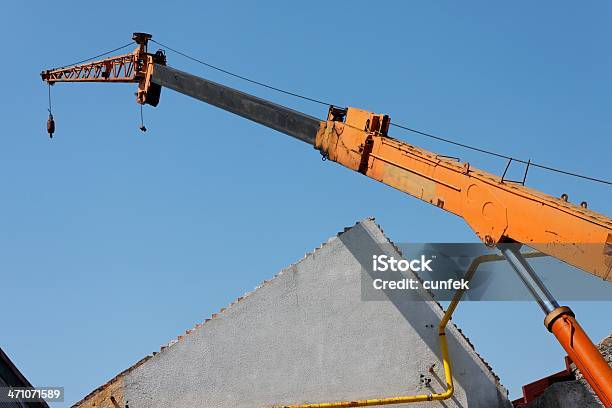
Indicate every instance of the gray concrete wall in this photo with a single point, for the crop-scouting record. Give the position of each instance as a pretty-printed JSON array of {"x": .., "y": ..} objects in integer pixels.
[{"x": 307, "y": 336}]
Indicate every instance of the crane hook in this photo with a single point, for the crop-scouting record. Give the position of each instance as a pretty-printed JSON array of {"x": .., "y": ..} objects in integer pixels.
[{"x": 50, "y": 125}]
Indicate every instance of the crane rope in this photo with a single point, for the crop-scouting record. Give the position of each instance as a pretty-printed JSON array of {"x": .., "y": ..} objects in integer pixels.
[
  {"x": 400, "y": 126},
  {"x": 422, "y": 133},
  {"x": 528, "y": 162},
  {"x": 98, "y": 56},
  {"x": 243, "y": 77}
]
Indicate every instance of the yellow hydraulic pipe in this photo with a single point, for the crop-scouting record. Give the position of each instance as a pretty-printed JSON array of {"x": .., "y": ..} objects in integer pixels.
[{"x": 450, "y": 388}]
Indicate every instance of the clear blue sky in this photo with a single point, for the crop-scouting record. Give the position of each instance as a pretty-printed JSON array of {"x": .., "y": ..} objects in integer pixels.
[{"x": 113, "y": 242}]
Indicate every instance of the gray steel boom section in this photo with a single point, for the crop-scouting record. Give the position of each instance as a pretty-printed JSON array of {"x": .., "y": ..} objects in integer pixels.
[{"x": 277, "y": 117}]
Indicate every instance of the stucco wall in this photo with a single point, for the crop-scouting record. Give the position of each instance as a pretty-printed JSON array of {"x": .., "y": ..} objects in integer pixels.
[{"x": 307, "y": 336}]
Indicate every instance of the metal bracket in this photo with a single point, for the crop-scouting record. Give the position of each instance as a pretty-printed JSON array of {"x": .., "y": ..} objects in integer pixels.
[{"x": 514, "y": 181}]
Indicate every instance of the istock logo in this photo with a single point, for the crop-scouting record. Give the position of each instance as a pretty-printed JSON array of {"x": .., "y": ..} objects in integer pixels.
[{"x": 383, "y": 263}]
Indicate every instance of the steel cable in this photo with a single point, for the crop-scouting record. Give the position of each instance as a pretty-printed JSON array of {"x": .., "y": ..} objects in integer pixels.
[
  {"x": 97, "y": 56},
  {"x": 426, "y": 134}
]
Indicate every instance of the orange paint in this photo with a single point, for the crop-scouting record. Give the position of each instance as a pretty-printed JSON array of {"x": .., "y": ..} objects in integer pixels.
[
  {"x": 497, "y": 211},
  {"x": 585, "y": 355}
]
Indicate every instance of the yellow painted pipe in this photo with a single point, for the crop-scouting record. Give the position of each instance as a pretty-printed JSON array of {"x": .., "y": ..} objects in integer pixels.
[{"x": 450, "y": 388}]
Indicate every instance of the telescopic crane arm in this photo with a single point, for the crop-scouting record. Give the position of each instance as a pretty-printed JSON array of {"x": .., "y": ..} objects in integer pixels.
[{"x": 498, "y": 211}]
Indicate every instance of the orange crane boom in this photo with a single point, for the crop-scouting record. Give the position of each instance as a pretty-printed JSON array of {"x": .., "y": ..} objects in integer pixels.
[{"x": 498, "y": 211}]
